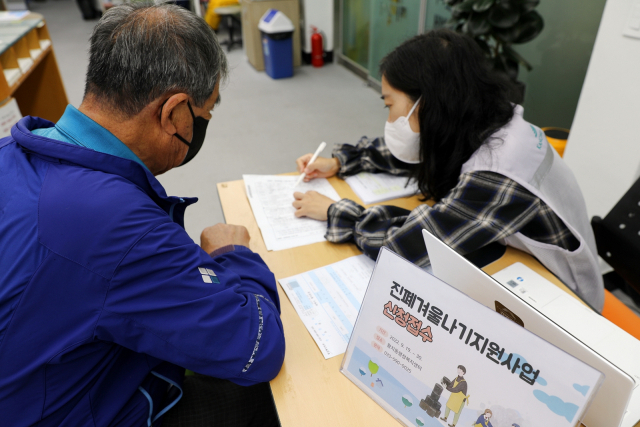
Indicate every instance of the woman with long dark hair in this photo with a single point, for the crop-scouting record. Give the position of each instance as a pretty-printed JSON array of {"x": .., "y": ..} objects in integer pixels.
[{"x": 493, "y": 176}]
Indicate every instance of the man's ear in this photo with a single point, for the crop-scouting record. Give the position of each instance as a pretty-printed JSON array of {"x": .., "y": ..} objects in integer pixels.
[{"x": 170, "y": 112}]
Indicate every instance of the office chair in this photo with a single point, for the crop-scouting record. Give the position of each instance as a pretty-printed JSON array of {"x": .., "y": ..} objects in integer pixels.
[
  {"x": 618, "y": 237},
  {"x": 618, "y": 243}
]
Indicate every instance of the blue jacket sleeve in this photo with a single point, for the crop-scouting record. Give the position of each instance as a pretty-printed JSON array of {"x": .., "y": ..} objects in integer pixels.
[{"x": 219, "y": 317}]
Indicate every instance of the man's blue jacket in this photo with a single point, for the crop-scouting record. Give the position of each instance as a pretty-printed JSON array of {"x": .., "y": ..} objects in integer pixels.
[{"x": 100, "y": 285}]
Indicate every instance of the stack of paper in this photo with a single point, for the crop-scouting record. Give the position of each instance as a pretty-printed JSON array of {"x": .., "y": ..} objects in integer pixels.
[
  {"x": 12, "y": 75},
  {"x": 35, "y": 53},
  {"x": 328, "y": 300},
  {"x": 9, "y": 116},
  {"x": 271, "y": 198},
  {"x": 25, "y": 64},
  {"x": 13, "y": 15},
  {"x": 380, "y": 187}
]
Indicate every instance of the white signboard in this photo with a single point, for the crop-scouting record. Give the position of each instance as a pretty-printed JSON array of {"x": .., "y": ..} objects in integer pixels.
[{"x": 431, "y": 356}]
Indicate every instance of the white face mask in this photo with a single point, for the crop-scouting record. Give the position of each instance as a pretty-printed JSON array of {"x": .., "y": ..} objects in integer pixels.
[{"x": 403, "y": 143}]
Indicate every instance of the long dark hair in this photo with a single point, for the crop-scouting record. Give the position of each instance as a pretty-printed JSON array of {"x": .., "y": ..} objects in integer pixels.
[{"x": 463, "y": 101}]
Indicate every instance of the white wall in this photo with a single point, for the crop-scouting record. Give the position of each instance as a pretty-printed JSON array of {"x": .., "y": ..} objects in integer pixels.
[
  {"x": 317, "y": 13},
  {"x": 604, "y": 145}
]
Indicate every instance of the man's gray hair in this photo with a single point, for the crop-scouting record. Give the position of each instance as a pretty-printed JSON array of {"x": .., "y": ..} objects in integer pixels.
[{"x": 140, "y": 52}]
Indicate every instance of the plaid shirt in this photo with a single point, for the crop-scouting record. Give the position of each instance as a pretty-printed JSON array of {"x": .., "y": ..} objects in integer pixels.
[{"x": 482, "y": 208}]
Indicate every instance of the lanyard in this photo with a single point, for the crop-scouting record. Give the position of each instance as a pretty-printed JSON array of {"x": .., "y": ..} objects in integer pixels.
[{"x": 150, "y": 421}]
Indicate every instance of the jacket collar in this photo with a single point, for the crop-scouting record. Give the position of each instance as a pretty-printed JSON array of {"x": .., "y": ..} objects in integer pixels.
[
  {"x": 81, "y": 130},
  {"x": 64, "y": 152}
]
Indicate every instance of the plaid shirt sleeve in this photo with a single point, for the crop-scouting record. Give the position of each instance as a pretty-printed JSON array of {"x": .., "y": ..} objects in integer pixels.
[
  {"x": 368, "y": 155},
  {"x": 484, "y": 207}
]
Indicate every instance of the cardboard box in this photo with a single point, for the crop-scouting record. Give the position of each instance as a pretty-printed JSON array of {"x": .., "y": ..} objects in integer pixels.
[{"x": 252, "y": 11}]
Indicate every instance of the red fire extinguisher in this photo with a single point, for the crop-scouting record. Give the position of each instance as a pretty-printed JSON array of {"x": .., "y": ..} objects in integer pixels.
[{"x": 316, "y": 48}]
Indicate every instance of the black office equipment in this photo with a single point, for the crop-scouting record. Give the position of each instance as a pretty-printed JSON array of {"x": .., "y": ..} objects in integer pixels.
[{"x": 618, "y": 239}]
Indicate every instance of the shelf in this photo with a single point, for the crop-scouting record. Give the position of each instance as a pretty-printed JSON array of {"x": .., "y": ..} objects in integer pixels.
[
  {"x": 22, "y": 45},
  {"x": 30, "y": 72}
]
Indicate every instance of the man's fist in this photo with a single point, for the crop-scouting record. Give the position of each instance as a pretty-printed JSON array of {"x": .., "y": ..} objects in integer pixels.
[{"x": 220, "y": 235}]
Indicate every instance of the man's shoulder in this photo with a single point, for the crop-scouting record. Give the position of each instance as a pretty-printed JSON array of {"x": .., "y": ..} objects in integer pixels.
[{"x": 93, "y": 217}]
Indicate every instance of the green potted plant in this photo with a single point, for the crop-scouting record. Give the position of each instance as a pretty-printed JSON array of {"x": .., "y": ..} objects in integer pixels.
[{"x": 496, "y": 25}]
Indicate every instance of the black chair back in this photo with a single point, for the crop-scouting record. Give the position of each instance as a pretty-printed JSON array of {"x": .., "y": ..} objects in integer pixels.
[{"x": 618, "y": 236}]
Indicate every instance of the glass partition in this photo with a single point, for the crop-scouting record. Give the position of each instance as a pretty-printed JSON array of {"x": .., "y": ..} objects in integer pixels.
[
  {"x": 373, "y": 28},
  {"x": 392, "y": 22},
  {"x": 356, "y": 24},
  {"x": 560, "y": 55}
]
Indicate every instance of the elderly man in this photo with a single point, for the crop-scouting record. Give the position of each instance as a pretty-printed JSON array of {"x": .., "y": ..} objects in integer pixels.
[{"x": 104, "y": 298}]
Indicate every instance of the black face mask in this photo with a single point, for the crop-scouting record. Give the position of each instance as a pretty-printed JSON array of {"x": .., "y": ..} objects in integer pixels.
[{"x": 199, "y": 130}]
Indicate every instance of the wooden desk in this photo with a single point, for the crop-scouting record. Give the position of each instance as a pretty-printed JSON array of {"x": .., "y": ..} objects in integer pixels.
[{"x": 310, "y": 390}]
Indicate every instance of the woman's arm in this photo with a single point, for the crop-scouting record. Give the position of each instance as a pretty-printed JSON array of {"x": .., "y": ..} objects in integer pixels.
[
  {"x": 484, "y": 207},
  {"x": 368, "y": 155}
]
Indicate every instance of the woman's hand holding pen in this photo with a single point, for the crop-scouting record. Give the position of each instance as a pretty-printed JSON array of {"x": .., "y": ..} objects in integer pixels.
[
  {"x": 320, "y": 168},
  {"x": 313, "y": 204}
]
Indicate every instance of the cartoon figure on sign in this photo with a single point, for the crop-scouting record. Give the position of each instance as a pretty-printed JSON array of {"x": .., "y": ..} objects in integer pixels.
[
  {"x": 483, "y": 420},
  {"x": 458, "y": 389}
]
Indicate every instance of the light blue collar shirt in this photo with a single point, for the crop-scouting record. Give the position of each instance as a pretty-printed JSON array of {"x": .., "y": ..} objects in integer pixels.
[{"x": 76, "y": 128}]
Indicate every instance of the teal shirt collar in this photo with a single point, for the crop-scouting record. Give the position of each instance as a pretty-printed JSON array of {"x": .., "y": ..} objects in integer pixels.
[{"x": 83, "y": 131}]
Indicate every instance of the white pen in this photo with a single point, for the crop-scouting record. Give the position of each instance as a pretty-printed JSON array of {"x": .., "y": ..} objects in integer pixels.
[{"x": 313, "y": 159}]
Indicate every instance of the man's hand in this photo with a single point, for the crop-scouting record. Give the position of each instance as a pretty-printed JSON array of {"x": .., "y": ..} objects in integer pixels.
[
  {"x": 312, "y": 204},
  {"x": 220, "y": 235},
  {"x": 321, "y": 168}
]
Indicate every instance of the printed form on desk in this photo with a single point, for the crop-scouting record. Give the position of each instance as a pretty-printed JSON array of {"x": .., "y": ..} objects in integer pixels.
[
  {"x": 271, "y": 198},
  {"x": 380, "y": 187},
  {"x": 328, "y": 300}
]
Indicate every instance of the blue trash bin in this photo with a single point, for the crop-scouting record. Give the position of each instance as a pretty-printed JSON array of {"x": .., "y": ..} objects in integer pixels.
[{"x": 276, "y": 32}]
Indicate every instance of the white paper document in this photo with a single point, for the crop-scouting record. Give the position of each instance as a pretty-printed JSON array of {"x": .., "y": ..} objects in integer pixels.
[
  {"x": 12, "y": 75},
  {"x": 9, "y": 116},
  {"x": 328, "y": 300},
  {"x": 271, "y": 198},
  {"x": 13, "y": 15},
  {"x": 25, "y": 64},
  {"x": 35, "y": 53},
  {"x": 380, "y": 187}
]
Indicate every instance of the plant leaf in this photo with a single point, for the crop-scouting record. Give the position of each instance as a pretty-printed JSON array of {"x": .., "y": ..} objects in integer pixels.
[
  {"x": 515, "y": 56},
  {"x": 451, "y": 23},
  {"x": 457, "y": 14},
  {"x": 484, "y": 46},
  {"x": 530, "y": 25},
  {"x": 507, "y": 35},
  {"x": 477, "y": 25},
  {"x": 482, "y": 5},
  {"x": 528, "y": 5},
  {"x": 506, "y": 66},
  {"x": 465, "y": 6},
  {"x": 500, "y": 17},
  {"x": 451, "y": 2}
]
